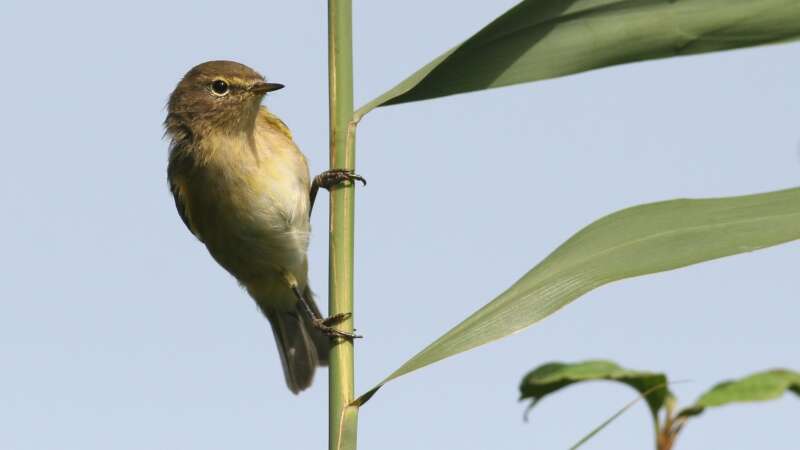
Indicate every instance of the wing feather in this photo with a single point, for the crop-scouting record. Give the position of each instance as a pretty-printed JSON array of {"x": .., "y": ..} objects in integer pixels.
[{"x": 177, "y": 185}]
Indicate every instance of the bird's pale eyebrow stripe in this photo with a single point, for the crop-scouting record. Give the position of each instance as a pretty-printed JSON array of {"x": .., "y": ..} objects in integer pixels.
[{"x": 238, "y": 81}]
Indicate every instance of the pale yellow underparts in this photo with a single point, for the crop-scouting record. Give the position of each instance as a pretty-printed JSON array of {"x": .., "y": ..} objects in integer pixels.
[{"x": 249, "y": 203}]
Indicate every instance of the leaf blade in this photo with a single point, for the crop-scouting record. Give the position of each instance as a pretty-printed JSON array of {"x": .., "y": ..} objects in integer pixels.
[
  {"x": 542, "y": 39},
  {"x": 759, "y": 387},
  {"x": 551, "y": 377},
  {"x": 636, "y": 241}
]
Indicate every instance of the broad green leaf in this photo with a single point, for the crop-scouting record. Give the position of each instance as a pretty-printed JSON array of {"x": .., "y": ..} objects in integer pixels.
[
  {"x": 548, "y": 378},
  {"x": 644, "y": 239},
  {"x": 759, "y": 387},
  {"x": 541, "y": 39}
]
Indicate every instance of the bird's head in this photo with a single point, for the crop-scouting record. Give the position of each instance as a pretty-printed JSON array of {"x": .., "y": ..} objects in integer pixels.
[{"x": 219, "y": 96}]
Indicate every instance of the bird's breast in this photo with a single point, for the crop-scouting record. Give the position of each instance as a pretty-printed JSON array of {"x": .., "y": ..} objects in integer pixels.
[{"x": 250, "y": 204}]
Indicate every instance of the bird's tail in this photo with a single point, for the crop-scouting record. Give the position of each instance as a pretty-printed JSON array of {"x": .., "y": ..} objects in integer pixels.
[{"x": 302, "y": 347}]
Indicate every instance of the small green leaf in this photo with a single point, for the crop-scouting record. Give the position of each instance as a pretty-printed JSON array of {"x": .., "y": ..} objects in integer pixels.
[
  {"x": 759, "y": 387},
  {"x": 632, "y": 242},
  {"x": 541, "y": 39},
  {"x": 548, "y": 378}
]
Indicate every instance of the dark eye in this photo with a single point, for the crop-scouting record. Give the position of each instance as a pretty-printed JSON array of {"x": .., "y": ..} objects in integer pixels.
[{"x": 219, "y": 87}]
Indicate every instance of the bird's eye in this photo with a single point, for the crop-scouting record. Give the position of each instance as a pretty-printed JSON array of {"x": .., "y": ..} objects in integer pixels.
[{"x": 219, "y": 87}]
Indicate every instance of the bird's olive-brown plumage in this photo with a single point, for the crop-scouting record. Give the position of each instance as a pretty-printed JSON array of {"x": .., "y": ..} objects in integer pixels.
[
  {"x": 195, "y": 100},
  {"x": 242, "y": 187}
]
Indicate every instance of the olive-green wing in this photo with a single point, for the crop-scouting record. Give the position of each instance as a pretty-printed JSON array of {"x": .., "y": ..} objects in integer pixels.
[{"x": 177, "y": 186}]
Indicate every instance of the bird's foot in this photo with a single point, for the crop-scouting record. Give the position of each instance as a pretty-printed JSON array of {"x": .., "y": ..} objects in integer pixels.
[
  {"x": 326, "y": 326},
  {"x": 333, "y": 177},
  {"x": 336, "y": 318}
]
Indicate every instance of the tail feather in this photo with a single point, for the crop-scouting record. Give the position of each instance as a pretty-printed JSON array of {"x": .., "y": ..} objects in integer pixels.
[
  {"x": 301, "y": 346},
  {"x": 298, "y": 354}
]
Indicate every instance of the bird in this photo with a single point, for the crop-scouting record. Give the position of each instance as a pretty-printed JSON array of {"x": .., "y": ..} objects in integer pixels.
[{"x": 242, "y": 187}]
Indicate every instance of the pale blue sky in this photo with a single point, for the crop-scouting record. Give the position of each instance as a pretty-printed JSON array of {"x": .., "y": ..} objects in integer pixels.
[{"x": 118, "y": 331}]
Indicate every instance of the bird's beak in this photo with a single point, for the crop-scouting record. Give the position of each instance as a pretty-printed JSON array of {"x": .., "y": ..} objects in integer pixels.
[{"x": 262, "y": 87}]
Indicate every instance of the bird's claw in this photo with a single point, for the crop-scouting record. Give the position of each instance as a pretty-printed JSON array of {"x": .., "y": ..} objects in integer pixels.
[
  {"x": 336, "y": 318},
  {"x": 326, "y": 326},
  {"x": 332, "y": 177}
]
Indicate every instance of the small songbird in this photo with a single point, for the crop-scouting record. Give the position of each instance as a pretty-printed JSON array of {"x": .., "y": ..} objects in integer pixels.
[{"x": 242, "y": 188}]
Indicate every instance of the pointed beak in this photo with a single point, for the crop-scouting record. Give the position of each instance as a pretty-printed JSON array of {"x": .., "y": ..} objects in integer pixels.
[{"x": 262, "y": 87}]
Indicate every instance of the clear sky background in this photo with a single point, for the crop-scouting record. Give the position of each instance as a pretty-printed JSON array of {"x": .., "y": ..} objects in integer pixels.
[{"x": 118, "y": 331}]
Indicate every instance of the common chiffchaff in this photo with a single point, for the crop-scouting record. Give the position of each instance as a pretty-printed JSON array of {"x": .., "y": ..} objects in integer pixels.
[{"x": 242, "y": 188}]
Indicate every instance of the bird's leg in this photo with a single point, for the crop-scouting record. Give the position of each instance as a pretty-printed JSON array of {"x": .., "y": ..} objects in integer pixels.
[
  {"x": 329, "y": 179},
  {"x": 324, "y": 325}
]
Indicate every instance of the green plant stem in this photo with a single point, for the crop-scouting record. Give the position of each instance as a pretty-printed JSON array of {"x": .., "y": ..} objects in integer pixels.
[{"x": 340, "y": 284}]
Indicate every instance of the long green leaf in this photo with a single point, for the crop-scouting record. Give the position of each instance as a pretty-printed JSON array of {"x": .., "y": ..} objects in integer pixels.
[
  {"x": 759, "y": 387},
  {"x": 644, "y": 239},
  {"x": 548, "y": 378},
  {"x": 541, "y": 39}
]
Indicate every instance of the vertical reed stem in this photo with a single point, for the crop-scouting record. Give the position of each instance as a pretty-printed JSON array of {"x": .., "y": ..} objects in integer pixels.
[{"x": 340, "y": 287}]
